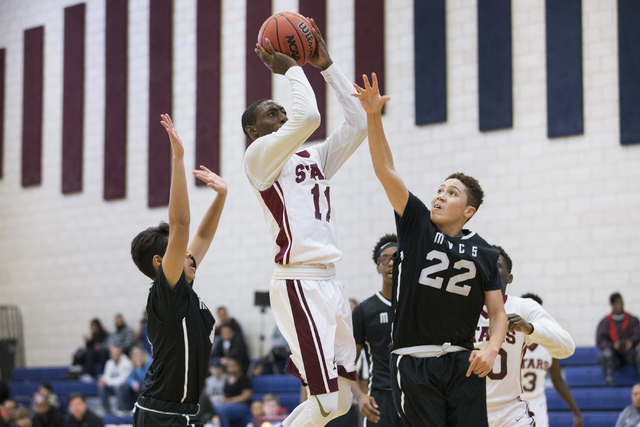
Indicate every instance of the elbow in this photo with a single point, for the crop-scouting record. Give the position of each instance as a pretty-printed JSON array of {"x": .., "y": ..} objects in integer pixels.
[{"x": 312, "y": 119}]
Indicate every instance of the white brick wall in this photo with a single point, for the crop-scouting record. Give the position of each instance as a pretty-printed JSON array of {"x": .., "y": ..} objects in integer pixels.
[{"x": 565, "y": 209}]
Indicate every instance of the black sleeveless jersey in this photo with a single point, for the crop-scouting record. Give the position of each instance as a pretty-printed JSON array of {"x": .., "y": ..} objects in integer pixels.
[
  {"x": 372, "y": 320},
  {"x": 180, "y": 328},
  {"x": 439, "y": 281}
]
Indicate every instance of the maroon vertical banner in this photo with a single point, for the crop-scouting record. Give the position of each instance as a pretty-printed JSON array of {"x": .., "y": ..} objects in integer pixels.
[
  {"x": 369, "y": 40},
  {"x": 32, "y": 106},
  {"x": 208, "y": 36},
  {"x": 317, "y": 9},
  {"x": 258, "y": 77},
  {"x": 160, "y": 94},
  {"x": 115, "y": 100},
  {"x": 73, "y": 98},
  {"x": 3, "y": 53}
]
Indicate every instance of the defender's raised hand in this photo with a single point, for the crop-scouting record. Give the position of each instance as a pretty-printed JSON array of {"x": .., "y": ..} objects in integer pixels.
[
  {"x": 277, "y": 62},
  {"x": 174, "y": 138},
  {"x": 211, "y": 179},
  {"x": 370, "y": 97},
  {"x": 320, "y": 58}
]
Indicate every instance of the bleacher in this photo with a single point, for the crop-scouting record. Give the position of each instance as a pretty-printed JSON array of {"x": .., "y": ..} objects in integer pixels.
[
  {"x": 25, "y": 382},
  {"x": 600, "y": 405}
]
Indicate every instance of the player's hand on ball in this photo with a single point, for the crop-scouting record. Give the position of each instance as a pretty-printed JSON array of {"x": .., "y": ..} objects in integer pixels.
[
  {"x": 368, "y": 408},
  {"x": 518, "y": 324},
  {"x": 277, "y": 62},
  {"x": 320, "y": 58},
  {"x": 211, "y": 179},
  {"x": 370, "y": 97},
  {"x": 174, "y": 138},
  {"x": 481, "y": 362}
]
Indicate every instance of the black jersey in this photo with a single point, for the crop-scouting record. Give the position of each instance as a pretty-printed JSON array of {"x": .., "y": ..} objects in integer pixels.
[
  {"x": 372, "y": 320},
  {"x": 439, "y": 281},
  {"x": 180, "y": 329}
]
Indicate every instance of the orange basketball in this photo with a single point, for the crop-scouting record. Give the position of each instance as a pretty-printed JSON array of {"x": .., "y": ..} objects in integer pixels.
[{"x": 289, "y": 33}]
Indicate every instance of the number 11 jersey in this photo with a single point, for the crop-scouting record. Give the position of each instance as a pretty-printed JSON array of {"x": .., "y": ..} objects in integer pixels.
[
  {"x": 297, "y": 208},
  {"x": 439, "y": 281}
]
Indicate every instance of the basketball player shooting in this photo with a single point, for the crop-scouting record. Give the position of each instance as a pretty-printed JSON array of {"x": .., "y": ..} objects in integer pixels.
[
  {"x": 443, "y": 274},
  {"x": 309, "y": 302}
]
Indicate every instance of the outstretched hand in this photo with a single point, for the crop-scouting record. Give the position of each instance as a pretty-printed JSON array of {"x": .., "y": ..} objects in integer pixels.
[
  {"x": 174, "y": 138},
  {"x": 320, "y": 58},
  {"x": 370, "y": 97},
  {"x": 211, "y": 179},
  {"x": 277, "y": 62}
]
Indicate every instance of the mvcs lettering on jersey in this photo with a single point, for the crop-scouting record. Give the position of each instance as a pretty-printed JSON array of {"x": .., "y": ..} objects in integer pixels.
[{"x": 462, "y": 270}]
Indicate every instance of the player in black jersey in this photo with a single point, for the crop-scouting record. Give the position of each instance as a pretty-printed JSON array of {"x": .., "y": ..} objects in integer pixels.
[
  {"x": 372, "y": 330},
  {"x": 180, "y": 325},
  {"x": 443, "y": 275}
]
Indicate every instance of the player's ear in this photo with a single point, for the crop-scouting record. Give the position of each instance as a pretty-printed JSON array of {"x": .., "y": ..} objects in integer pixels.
[
  {"x": 157, "y": 259},
  {"x": 509, "y": 279},
  {"x": 469, "y": 211},
  {"x": 252, "y": 131}
]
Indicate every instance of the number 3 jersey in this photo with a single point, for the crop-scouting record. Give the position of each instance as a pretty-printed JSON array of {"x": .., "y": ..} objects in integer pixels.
[
  {"x": 439, "y": 282},
  {"x": 504, "y": 383},
  {"x": 293, "y": 186}
]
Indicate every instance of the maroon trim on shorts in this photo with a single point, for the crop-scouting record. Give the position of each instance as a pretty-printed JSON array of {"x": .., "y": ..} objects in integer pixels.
[
  {"x": 303, "y": 153},
  {"x": 315, "y": 369},
  {"x": 275, "y": 204},
  {"x": 342, "y": 371}
]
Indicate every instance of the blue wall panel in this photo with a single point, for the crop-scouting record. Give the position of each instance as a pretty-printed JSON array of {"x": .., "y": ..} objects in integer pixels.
[
  {"x": 430, "y": 61},
  {"x": 495, "y": 81},
  {"x": 564, "y": 68},
  {"x": 629, "y": 69}
]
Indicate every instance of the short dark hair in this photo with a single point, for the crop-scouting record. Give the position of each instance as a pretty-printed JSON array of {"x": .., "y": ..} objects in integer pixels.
[
  {"x": 46, "y": 386},
  {"x": 506, "y": 257},
  {"x": 77, "y": 395},
  {"x": 534, "y": 297},
  {"x": 614, "y": 297},
  {"x": 147, "y": 244},
  {"x": 249, "y": 115},
  {"x": 384, "y": 240},
  {"x": 473, "y": 189}
]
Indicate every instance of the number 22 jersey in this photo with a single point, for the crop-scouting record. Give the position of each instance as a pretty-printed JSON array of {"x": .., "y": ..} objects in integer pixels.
[{"x": 439, "y": 281}]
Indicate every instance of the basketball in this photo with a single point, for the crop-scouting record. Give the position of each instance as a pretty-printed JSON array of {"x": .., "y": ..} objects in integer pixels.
[{"x": 289, "y": 33}]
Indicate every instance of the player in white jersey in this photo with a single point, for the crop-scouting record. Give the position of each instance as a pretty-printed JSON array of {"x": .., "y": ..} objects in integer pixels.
[
  {"x": 309, "y": 303},
  {"x": 537, "y": 361},
  {"x": 528, "y": 323}
]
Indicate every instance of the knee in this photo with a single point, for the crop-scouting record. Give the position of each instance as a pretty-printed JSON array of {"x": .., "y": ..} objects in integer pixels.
[{"x": 605, "y": 355}]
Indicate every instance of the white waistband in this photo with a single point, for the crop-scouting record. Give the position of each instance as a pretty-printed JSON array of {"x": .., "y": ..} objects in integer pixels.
[
  {"x": 300, "y": 271},
  {"x": 429, "y": 350}
]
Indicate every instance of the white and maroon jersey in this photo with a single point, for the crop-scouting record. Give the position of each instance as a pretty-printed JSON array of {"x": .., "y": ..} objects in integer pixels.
[
  {"x": 504, "y": 382},
  {"x": 293, "y": 186},
  {"x": 535, "y": 365}
]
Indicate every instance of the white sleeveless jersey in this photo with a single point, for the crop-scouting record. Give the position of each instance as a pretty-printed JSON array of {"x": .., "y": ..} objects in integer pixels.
[
  {"x": 292, "y": 185},
  {"x": 297, "y": 208},
  {"x": 504, "y": 381},
  {"x": 535, "y": 365}
]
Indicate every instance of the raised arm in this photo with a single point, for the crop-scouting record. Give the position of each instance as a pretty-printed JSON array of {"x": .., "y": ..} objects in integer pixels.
[
  {"x": 209, "y": 224},
  {"x": 267, "y": 155},
  {"x": 179, "y": 215},
  {"x": 347, "y": 137},
  {"x": 381, "y": 156}
]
